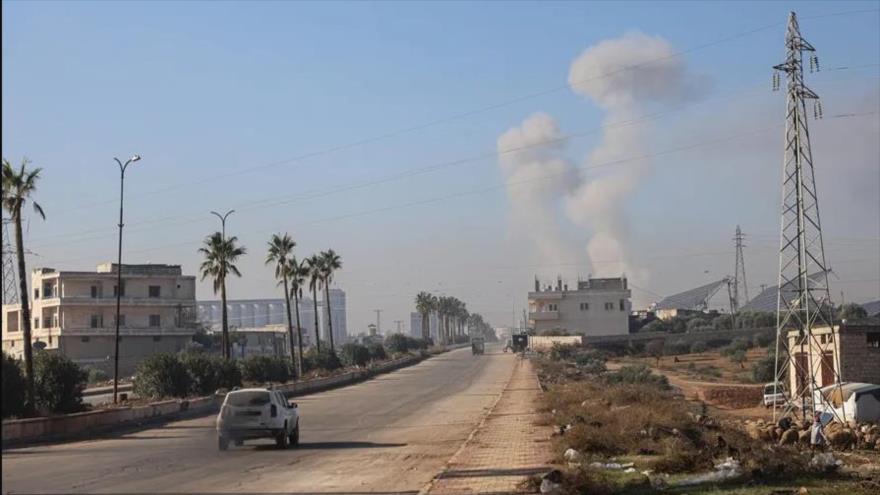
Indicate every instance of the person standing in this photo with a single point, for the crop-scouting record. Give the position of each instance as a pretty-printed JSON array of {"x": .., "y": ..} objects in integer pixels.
[{"x": 817, "y": 434}]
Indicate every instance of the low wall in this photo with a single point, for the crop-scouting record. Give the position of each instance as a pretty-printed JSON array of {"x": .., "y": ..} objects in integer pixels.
[
  {"x": 612, "y": 342},
  {"x": 541, "y": 342},
  {"x": 69, "y": 426}
]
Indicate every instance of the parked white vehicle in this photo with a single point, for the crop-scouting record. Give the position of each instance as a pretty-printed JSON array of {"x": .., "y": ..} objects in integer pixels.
[
  {"x": 252, "y": 413},
  {"x": 774, "y": 393}
]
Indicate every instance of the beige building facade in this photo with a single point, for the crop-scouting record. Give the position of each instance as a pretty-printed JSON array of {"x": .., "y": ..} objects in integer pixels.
[
  {"x": 850, "y": 350},
  {"x": 74, "y": 312},
  {"x": 597, "y": 306}
]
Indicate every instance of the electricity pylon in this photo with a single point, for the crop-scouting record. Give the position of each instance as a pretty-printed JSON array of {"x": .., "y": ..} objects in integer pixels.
[
  {"x": 740, "y": 288},
  {"x": 803, "y": 302}
]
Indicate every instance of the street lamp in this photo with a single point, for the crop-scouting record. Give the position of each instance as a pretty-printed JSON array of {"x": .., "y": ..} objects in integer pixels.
[
  {"x": 223, "y": 221},
  {"x": 122, "y": 168}
]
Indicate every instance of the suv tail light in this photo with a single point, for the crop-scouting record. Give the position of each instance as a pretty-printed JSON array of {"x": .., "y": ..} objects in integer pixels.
[{"x": 273, "y": 410}]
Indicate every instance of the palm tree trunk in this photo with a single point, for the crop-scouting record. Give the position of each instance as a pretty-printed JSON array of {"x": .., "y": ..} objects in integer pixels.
[
  {"x": 329, "y": 315},
  {"x": 30, "y": 405},
  {"x": 289, "y": 324},
  {"x": 225, "y": 323},
  {"x": 299, "y": 336},
  {"x": 425, "y": 327},
  {"x": 317, "y": 331}
]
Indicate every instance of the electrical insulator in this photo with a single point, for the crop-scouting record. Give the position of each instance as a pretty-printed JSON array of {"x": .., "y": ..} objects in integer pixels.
[
  {"x": 819, "y": 108},
  {"x": 816, "y": 62}
]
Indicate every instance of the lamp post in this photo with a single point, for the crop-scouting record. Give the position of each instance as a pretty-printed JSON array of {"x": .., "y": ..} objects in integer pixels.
[
  {"x": 122, "y": 168},
  {"x": 227, "y": 345}
]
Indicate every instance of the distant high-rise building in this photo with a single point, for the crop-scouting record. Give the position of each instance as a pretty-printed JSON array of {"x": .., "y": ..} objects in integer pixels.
[
  {"x": 337, "y": 309},
  {"x": 415, "y": 325}
]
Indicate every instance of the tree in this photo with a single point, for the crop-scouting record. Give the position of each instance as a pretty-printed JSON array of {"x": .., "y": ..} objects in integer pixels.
[
  {"x": 654, "y": 349},
  {"x": 220, "y": 256},
  {"x": 313, "y": 265},
  {"x": 296, "y": 274},
  {"x": 280, "y": 253},
  {"x": 58, "y": 383},
  {"x": 18, "y": 186},
  {"x": 739, "y": 357},
  {"x": 330, "y": 262},
  {"x": 424, "y": 305},
  {"x": 851, "y": 312},
  {"x": 13, "y": 387}
]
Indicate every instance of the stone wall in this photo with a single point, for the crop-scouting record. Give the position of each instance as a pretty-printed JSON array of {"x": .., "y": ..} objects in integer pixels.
[{"x": 858, "y": 362}]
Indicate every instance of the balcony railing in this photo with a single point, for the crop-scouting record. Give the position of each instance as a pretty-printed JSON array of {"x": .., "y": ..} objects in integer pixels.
[
  {"x": 130, "y": 301},
  {"x": 125, "y": 330},
  {"x": 544, "y": 315}
]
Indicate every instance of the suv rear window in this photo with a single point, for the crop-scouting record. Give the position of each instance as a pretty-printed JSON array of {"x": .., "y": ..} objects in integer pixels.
[{"x": 242, "y": 399}]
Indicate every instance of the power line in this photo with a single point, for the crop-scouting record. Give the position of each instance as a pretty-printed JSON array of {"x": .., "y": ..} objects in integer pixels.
[{"x": 469, "y": 113}]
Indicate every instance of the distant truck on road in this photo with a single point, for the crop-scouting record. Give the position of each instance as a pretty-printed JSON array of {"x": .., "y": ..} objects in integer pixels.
[{"x": 478, "y": 345}]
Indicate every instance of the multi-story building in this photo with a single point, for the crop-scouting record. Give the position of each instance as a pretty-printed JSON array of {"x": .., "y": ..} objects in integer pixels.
[
  {"x": 597, "y": 306},
  {"x": 249, "y": 314},
  {"x": 74, "y": 313}
]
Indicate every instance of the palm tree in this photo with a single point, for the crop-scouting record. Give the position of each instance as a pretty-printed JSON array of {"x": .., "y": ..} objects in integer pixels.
[
  {"x": 280, "y": 252},
  {"x": 296, "y": 274},
  {"x": 220, "y": 255},
  {"x": 315, "y": 273},
  {"x": 444, "y": 309},
  {"x": 424, "y": 305},
  {"x": 18, "y": 186},
  {"x": 330, "y": 262}
]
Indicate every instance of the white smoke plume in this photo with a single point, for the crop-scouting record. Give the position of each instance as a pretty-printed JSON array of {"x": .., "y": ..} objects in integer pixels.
[
  {"x": 538, "y": 178},
  {"x": 626, "y": 76}
]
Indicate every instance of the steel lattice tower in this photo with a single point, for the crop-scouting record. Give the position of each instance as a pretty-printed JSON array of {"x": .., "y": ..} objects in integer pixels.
[
  {"x": 740, "y": 288},
  {"x": 803, "y": 302},
  {"x": 10, "y": 285}
]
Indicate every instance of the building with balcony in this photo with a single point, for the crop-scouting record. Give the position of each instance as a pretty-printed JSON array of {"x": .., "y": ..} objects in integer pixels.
[
  {"x": 74, "y": 312},
  {"x": 597, "y": 306}
]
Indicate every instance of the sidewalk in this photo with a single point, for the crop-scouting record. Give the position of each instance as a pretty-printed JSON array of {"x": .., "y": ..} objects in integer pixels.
[{"x": 507, "y": 446}]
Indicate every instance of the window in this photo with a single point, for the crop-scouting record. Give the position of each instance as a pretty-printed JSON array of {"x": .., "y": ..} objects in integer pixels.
[
  {"x": 585, "y": 306},
  {"x": 157, "y": 338},
  {"x": 552, "y": 307},
  {"x": 122, "y": 292},
  {"x": 84, "y": 339},
  {"x": 36, "y": 293},
  {"x": 47, "y": 291},
  {"x": 609, "y": 306},
  {"x": 50, "y": 340},
  {"x": 873, "y": 339},
  {"x": 11, "y": 343},
  {"x": 95, "y": 293},
  {"x": 155, "y": 291},
  {"x": 622, "y": 305},
  {"x": 155, "y": 321},
  {"x": 97, "y": 321},
  {"x": 36, "y": 322},
  {"x": 121, "y": 320}
]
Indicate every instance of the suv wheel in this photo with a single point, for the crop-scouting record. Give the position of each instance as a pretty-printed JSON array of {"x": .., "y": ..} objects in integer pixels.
[
  {"x": 294, "y": 435},
  {"x": 281, "y": 439},
  {"x": 222, "y": 443}
]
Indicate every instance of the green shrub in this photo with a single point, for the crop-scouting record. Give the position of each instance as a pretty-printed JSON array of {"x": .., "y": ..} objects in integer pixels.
[
  {"x": 208, "y": 373},
  {"x": 398, "y": 343},
  {"x": 228, "y": 374},
  {"x": 560, "y": 352},
  {"x": 763, "y": 370},
  {"x": 161, "y": 375},
  {"x": 354, "y": 354},
  {"x": 325, "y": 359},
  {"x": 762, "y": 340},
  {"x": 590, "y": 361},
  {"x": 698, "y": 347},
  {"x": 377, "y": 352},
  {"x": 58, "y": 383},
  {"x": 636, "y": 374},
  {"x": 739, "y": 344},
  {"x": 96, "y": 375},
  {"x": 13, "y": 387},
  {"x": 676, "y": 348},
  {"x": 264, "y": 369}
]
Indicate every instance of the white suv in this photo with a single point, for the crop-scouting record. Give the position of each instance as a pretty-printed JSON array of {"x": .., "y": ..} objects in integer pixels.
[{"x": 251, "y": 413}]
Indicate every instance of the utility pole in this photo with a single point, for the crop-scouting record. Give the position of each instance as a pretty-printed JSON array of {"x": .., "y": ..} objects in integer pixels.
[
  {"x": 10, "y": 288},
  {"x": 803, "y": 301},
  {"x": 398, "y": 322},
  {"x": 378, "y": 321}
]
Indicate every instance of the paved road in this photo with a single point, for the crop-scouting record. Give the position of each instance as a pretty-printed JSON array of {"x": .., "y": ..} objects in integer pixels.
[{"x": 391, "y": 434}]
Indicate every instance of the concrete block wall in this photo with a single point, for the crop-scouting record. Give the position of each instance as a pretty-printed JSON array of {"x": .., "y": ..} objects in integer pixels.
[{"x": 858, "y": 362}]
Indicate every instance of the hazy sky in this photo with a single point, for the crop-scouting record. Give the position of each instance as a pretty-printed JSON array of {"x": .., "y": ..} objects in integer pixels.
[{"x": 391, "y": 132}]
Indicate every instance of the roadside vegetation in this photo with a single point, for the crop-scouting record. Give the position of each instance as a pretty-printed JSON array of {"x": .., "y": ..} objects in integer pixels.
[{"x": 627, "y": 431}]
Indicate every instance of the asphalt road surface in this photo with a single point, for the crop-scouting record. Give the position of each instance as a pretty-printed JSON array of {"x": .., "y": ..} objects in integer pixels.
[{"x": 391, "y": 434}]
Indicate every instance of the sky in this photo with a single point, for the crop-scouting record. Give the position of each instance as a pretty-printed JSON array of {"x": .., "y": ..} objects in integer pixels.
[{"x": 458, "y": 148}]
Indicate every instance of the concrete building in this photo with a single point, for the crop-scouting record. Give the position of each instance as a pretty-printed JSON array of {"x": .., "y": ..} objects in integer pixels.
[
  {"x": 856, "y": 344},
  {"x": 247, "y": 314},
  {"x": 597, "y": 306},
  {"x": 75, "y": 313}
]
